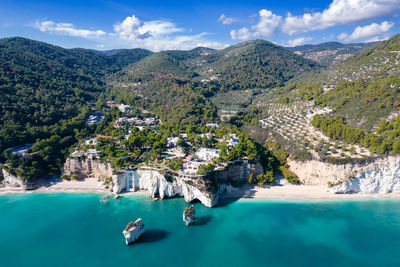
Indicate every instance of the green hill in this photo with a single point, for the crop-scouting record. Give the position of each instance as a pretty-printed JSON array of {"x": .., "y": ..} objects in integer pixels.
[
  {"x": 330, "y": 53},
  {"x": 42, "y": 84},
  {"x": 257, "y": 64}
]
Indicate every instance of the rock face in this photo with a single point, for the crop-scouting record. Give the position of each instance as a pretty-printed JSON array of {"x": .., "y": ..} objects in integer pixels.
[
  {"x": 381, "y": 175},
  {"x": 16, "y": 181},
  {"x": 189, "y": 215},
  {"x": 159, "y": 187},
  {"x": 162, "y": 186},
  {"x": 133, "y": 231},
  {"x": 87, "y": 167}
]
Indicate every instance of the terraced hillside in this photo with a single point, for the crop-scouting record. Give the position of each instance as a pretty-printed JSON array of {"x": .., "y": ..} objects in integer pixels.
[
  {"x": 330, "y": 53},
  {"x": 291, "y": 124}
]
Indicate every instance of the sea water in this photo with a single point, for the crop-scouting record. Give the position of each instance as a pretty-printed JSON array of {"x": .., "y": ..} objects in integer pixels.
[{"x": 69, "y": 229}]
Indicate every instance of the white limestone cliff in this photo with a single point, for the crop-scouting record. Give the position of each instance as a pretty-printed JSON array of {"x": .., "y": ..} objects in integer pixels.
[
  {"x": 133, "y": 231},
  {"x": 159, "y": 187},
  {"x": 380, "y": 175},
  {"x": 15, "y": 181}
]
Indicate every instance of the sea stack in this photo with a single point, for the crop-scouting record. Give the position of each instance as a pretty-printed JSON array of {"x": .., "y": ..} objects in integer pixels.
[
  {"x": 133, "y": 231},
  {"x": 189, "y": 215}
]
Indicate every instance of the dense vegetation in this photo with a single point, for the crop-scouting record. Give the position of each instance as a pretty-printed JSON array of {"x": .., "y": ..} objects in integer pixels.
[
  {"x": 387, "y": 139},
  {"x": 41, "y": 85}
]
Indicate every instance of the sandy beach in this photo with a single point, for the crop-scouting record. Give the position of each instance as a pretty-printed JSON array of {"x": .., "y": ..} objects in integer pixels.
[
  {"x": 286, "y": 191},
  {"x": 281, "y": 191}
]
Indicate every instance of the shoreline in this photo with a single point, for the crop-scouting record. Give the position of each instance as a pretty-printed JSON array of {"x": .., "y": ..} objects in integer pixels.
[{"x": 280, "y": 192}]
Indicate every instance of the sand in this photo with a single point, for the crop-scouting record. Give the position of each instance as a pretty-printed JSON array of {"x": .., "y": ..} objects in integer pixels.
[{"x": 282, "y": 191}]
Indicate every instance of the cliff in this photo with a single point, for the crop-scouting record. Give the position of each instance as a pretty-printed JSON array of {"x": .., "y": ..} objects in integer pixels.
[
  {"x": 159, "y": 187},
  {"x": 380, "y": 175},
  {"x": 162, "y": 185},
  {"x": 10, "y": 180}
]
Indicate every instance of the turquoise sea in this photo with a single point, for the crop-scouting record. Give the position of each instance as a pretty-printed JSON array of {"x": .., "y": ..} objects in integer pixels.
[{"x": 64, "y": 229}]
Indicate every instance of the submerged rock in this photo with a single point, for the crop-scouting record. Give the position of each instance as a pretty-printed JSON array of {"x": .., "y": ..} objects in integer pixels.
[
  {"x": 133, "y": 231},
  {"x": 189, "y": 215}
]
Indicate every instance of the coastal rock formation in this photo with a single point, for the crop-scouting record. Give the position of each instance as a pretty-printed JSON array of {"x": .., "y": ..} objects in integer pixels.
[
  {"x": 15, "y": 181},
  {"x": 133, "y": 231},
  {"x": 380, "y": 175},
  {"x": 162, "y": 185},
  {"x": 189, "y": 214},
  {"x": 159, "y": 187},
  {"x": 88, "y": 167}
]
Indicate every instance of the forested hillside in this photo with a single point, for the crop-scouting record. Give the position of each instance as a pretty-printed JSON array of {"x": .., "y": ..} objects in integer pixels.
[
  {"x": 330, "y": 53},
  {"x": 257, "y": 63},
  {"x": 42, "y": 85}
]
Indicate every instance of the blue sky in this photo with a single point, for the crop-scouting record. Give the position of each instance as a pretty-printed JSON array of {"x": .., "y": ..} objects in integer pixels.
[{"x": 160, "y": 25}]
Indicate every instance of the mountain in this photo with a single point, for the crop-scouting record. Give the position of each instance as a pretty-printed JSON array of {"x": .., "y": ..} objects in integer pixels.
[
  {"x": 365, "y": 87},
  {"x": 330, "y": 53},
  {"x": 42, "y": 84},
  {"x": 256, "y": 63}
]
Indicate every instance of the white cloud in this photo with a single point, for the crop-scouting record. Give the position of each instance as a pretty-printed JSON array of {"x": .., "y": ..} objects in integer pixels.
[
  {"x": 298, "y": 41},
  {"x": 241, "y": 34},
  {"x": 226, "y": 20},
  {"x": 155, "y": 35},
  {"x": 267, "y": 24},
  {"x": 342, "y": 36},
  {"x": 68, "y": 29},
  {"x": 133, "y": 28},
  {"x": 339, "y": 12},
  {"x": 159, "y": 35},
  {"x": 373, "y": 31}
]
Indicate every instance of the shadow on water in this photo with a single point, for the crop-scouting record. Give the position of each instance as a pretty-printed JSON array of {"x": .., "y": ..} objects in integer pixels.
[
  {"x": 153, "y": 235},
  {"x": 201, "y": 220},
  {"x": 228, "y": 198}
]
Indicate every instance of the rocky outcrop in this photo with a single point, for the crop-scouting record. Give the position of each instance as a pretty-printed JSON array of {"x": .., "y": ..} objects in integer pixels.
[
  {"x": 380, "y": 175},
  {"x": 133, "y": 231},
  {"x": 16, "y": 181},
  {"x": 189, "y": 215},
  {"x": 88, "y": 167},
  {"x": 159, "y": 187}
]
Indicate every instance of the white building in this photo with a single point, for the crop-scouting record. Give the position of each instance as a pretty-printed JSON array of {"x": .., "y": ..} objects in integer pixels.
[
  {"x": 207, "y": 154},
  {"x": 124, "y": 108},
  {"x": 94, "y": 119},
  {"x": 233, "y": 140},
  {"x": 91, "y": 142},
  {"x": 206, "y": 135},
  {"x": 212, "y": 125},
  {"x": 171, "y": 141}
]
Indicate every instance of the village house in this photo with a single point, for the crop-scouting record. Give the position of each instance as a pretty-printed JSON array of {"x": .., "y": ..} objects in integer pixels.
[
  {"x": 207, "y": 154},
  {"x": 233, "y": 140},
  {"x": 94, "y": 119}
]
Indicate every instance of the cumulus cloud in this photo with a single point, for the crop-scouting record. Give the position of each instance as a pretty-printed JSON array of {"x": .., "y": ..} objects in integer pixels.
[
  {"x": 298, "y": 41},
  {"x": 226, "y": 20},
  {"x": 339, "y": 12},
  {"x": 133, "y": 28},
  {"x": 267, "y": 24},
  {"x": 241, "y": 34},
  {"x": 155, "y": 35},
  {"x": 159, "y": 35},
  {"x": 68, "y": 29},
  {"x": 373, "y": 31}
]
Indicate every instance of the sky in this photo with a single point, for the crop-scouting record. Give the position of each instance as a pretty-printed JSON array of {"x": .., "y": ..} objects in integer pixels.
[{"x": 163, "y": 25}]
